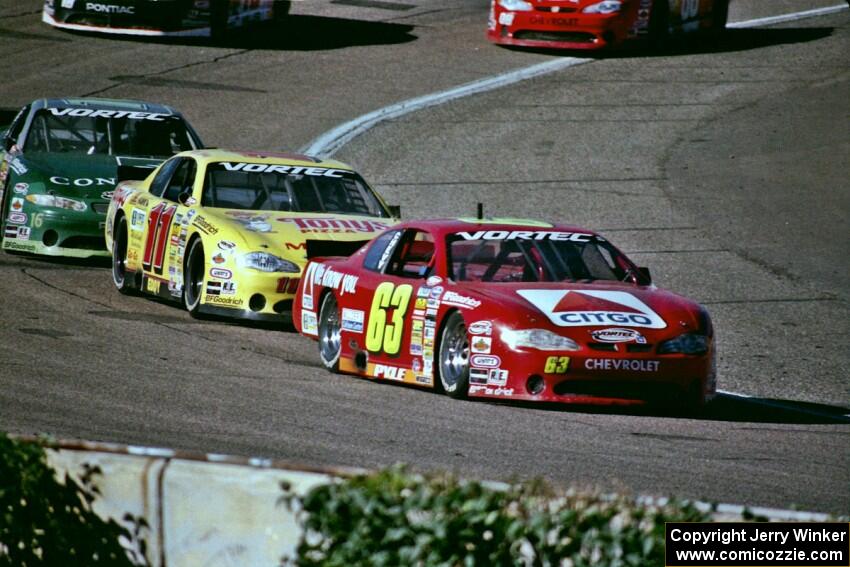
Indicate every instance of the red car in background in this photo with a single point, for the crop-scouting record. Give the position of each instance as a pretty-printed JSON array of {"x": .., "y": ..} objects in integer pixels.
[
  {"x": 596, "y": 24},
  {"x": 517, "y": 310}
]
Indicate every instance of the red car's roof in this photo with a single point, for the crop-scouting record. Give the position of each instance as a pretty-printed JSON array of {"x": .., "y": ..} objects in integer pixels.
[{"x": 445, "y": 226}]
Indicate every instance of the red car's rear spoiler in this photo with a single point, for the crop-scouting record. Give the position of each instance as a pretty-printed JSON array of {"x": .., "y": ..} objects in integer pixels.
[{"x": 316, "y": 248}]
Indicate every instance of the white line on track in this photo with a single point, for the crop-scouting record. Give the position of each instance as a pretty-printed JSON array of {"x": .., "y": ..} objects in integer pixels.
[
  {"x": 789, "y": 17},
  {"x": 331, "y": 141}
]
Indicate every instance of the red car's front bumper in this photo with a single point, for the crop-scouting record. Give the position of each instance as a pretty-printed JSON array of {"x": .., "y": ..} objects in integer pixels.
[
  {"x": 601, "y": 378},
  {"x": 561, "y": 30}
]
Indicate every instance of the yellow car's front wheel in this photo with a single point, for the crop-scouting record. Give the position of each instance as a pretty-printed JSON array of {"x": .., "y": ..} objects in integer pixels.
[{"x": 193, "y": 278}]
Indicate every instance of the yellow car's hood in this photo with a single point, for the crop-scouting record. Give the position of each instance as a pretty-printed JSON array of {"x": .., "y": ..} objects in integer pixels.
[{"x": 287, "y": 233}]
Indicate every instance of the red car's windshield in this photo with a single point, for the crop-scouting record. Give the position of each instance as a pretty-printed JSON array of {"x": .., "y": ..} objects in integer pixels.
[{"x": 540, "y": 256}]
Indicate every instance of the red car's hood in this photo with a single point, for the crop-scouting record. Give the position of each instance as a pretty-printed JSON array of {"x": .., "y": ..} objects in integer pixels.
[{"x": 577, "y": 309}]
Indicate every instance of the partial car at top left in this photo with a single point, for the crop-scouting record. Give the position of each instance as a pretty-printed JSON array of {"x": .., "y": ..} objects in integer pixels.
[{"x": 60, "y": 164}]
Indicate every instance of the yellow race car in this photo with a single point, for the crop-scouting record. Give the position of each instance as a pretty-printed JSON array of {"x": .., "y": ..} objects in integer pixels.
[{"x": 228, "y": 233}]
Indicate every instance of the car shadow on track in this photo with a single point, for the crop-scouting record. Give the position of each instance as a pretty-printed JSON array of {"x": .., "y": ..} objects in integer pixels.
[
  {"x": 24, "y": 260},
  {"x": 296, "y": 33},
  {"x": 727, "y": 407},
  {"x": 731, "y": 40}
]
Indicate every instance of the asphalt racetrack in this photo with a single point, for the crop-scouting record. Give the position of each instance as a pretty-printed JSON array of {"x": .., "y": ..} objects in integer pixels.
[{"x": 721, "y": 164}]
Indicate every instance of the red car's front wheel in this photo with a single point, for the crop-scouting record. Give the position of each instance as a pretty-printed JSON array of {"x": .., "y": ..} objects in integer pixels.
[{"x": 453, "y": 364}]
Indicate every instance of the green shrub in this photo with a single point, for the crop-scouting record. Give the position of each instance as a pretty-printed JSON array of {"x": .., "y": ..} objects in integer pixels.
[
  {"x": 396, "y": 518},
  {"x": 47, "y": 522}
]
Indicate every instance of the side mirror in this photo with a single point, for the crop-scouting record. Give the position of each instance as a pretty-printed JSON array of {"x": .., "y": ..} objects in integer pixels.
[
  {"x": 395, "y": 211},
  {"x": 645, "y": 275}
]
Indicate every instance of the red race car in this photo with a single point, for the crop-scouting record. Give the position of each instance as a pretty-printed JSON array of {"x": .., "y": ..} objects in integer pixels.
[
  {"x": 507, "y": 309},
  {"x": 595, "y": 24}
]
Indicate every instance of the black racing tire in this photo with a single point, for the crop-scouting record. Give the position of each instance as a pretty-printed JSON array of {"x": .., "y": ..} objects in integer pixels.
[
  {"x": 120, "y": 240},
  {"x": 330, "y": 333},
  {"x": 719, "y": 16},
  {"x": 453, "y": 357},
  {"x": 659, "y": 26},
  {"x": 219, "y": 12},
  {"x": 280, "y": 10},
  {"x": 193, "y": 278}
]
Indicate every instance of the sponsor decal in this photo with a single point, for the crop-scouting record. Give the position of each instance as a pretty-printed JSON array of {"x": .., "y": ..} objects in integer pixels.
[
  {"x": 458, "y": 300},
  {"x": 13, "y": 245},
  {"x": 92, "y": 113},
  {"x": 478, "y": 375},
  {"x": 22, "y": 188},
  {"x": 319, "y": 274},
  {"x": 617, "y": 336},
  {"x": 285, "y": 169},
  {"x": 432, "y": 303},
  {"x": 307, "y": 301},
  {"x": 110, "y": 8},
  {"x": 506, "y": 18},
  {"x": 481, "y": 328},
  {"x": 430, "y": 331},
  {"x": 433, "y": 281},
  {"x": 221, "y": 273},
  {"x": 587, "y": 308},
  {"x": 24, "y": 232},
  {"x": 481, "y": 345},
  {"x": 252, "y": 222},
  {"x": 17, "y": 204},
  {"x": 352, "y": 320},
  {"x": 107, "y": 195},
  {"x": 219, "y": 259},
  {"x": 152, "y": 285},
  {"x": 335, "y": 225},
  {"x": 427, "y": 366},
  {"x": 485, "y": 361},
  {"x": 436, "y": 292},
  {"x": 622, "y": 364},
  {"x": 497, "y": 377},
  {"x": 137, "y": 219},
  {"x": 431, "y": 314},
  {"x": 17, "y": 218},
  {"x": 506, "y": 392},
  {"x": 204, "y": 225},
  {"x": 423, "y": 379},
  {"x": 221, "y": 288},
  {"x": 309, "y": 324},
  {"x": 526, "y": 235},
  {"x": 225, "y": 301},
  {"x": 11, "y": 231},
  {"x": 423, "y": 292},
  {"x": 416, "y": 349},
  {"x": 83, "y": 181},
  {"x": 389, "y": 372},
  {"x": 421, "y": 303},
  {"x": 226, "y": 245},
  {"x": 416, "y": 365},
  {"x": 18, "y": 166}
]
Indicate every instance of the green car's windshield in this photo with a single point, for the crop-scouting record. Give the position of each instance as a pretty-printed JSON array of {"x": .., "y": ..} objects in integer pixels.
[
  {"x": 160, "y": 137},
  {"x": 263, "y": 187}
]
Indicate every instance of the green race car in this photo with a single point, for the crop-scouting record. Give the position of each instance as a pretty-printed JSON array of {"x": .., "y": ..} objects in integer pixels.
[{"x": 61, "y": 161}]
